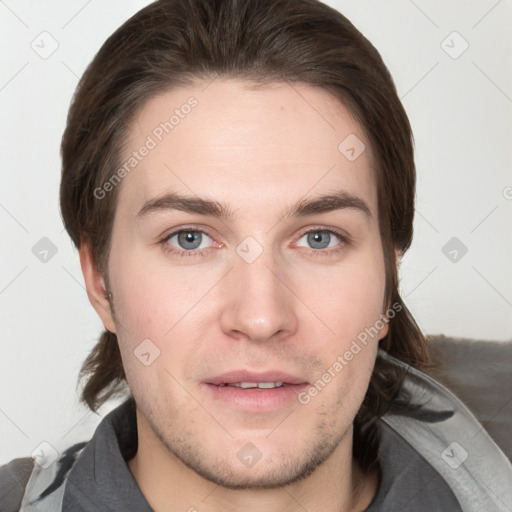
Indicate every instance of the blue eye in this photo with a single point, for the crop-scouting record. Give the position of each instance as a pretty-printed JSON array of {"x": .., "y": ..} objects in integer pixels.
[
  {"x": 320, "y": 239},
  {"x": 188, "y": 241}
]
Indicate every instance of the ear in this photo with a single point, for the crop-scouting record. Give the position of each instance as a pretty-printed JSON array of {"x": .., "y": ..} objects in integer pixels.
[
  {"x": 96, "y": 289},
  {"x": 384, "y": 331}
]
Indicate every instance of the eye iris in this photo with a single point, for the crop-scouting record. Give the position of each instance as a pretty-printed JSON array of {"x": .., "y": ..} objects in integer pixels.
[
  {"x": 189, "y": 237},
  {"x": 315, "y": 239}
]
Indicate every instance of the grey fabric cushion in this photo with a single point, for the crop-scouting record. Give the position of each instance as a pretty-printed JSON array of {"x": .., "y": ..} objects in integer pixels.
[{"x": 479, "y": 373}]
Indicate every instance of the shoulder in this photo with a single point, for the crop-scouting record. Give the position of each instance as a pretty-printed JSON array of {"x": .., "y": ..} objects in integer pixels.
[
  {"x": 14, "y": 477},
  {"x": 438, "y": 426},
  {"x": 407, "y": 480},
  {"x": 27, "y": 481}
]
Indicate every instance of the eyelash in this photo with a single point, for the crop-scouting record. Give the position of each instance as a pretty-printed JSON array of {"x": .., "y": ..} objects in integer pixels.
[{"x": 344, "y": 242}]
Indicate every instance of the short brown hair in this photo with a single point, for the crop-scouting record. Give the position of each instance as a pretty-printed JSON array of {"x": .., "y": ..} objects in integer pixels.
[{"x": 175, "y": 42}]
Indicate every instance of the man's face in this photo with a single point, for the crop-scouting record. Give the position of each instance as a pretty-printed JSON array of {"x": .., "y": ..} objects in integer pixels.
[{"x": 277, "y": 297}]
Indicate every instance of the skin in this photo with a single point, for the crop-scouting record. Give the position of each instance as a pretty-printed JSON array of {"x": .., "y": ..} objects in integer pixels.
[{"x": 297, "y": 307}]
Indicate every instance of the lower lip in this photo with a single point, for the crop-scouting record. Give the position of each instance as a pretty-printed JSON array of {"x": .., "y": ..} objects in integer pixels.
[{"x": 255, "y": 399}]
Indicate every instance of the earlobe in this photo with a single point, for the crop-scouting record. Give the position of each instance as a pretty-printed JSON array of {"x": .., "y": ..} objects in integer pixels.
[
  {"x": 96, "y": 289},
  {"x": 384, "y": 331}
]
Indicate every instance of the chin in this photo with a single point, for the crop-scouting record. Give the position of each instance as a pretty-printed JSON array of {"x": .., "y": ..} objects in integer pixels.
[{"x": 267, "y": 476}]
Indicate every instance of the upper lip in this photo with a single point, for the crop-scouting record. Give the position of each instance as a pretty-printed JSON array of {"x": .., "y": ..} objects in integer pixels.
[{"x": 235, "y": 376}]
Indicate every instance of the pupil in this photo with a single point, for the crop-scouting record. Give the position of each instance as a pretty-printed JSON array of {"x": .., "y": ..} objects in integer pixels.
[
  {"x": 189, "y": 237},
  {"x": 315, "y": 240}
]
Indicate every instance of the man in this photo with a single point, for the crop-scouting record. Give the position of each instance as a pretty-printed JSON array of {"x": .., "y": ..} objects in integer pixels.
[{"x": 238, "y": 177}]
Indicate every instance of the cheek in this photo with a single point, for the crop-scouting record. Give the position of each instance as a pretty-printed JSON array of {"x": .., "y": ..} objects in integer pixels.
[
  {"x": 157, "y": 303},
  {"x": 148, "y": 299},
  {"x": 140, "y": 307},
  {"x": 348, "y": 298},
  {"x": 148, "y": 305}
]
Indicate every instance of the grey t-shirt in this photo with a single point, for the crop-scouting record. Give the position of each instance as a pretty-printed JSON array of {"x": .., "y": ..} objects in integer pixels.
[{"x": 101, "y": 481}]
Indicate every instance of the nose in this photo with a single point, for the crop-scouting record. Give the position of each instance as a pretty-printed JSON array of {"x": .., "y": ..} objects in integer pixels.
[{"x": 259, "y": 305}]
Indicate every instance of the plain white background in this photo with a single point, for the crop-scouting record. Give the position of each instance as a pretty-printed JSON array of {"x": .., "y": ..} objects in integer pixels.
[{"x": 460, "y": 106}]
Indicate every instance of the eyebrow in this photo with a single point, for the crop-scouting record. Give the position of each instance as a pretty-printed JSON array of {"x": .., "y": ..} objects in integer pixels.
[{"x": 338, "y": 200}]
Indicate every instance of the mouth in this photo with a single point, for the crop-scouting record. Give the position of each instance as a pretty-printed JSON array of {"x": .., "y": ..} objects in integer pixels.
[
  {"x": 255, "y": 385},
  {"x": 264, "y": 380},
  {"x": 255, "y": 392}
]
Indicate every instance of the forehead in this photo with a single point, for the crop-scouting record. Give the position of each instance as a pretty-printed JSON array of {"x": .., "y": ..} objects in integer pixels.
[{"x": 241, "y": 144}]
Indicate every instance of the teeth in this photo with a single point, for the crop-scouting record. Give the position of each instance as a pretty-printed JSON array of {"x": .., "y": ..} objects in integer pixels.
[
  {"x": 261, "y": 385},
  {"x": 269, "y": 385}
]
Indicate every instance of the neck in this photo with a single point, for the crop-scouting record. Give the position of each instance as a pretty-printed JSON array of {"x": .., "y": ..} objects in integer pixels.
[{"x": 337, "y": 485}]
